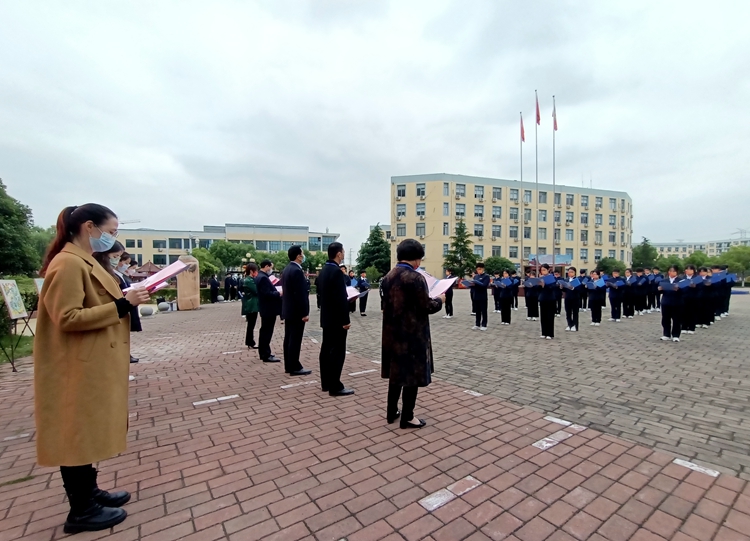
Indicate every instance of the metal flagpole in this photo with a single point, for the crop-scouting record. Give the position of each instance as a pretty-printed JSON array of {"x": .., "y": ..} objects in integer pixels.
[
  {"x": 521, "y": 143},
  {"x": 535, "y": 219},
  {"x": 554, "y": 189}
]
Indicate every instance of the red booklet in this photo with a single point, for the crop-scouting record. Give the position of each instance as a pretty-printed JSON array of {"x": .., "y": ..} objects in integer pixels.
[{"x": 154, "y": 283}]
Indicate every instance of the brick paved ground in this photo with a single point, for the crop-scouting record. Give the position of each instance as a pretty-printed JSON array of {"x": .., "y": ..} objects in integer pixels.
[
  {"x": 289, "y": 463},
  {"x": 689, "y": 398}
]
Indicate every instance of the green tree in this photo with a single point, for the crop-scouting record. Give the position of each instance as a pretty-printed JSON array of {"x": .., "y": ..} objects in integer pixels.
[
  {"x": 207, "y": 263},
  {"x": 497, "y": 264},
  {"x": 375, "y": 252},
  {"x": 373, "y": 274},
  {"x": 665, "y": 262},
  {"x": 644, "y": 255},
  {"x": 314, "y": 262},
  {"x": 41, "y": 239},
  {"x": 460, "y": 259},
  {"x": 608, "y": 264},
  {"x": 738, "y": 260},
  {"x": 231, "y": 254},
  {"x": 698, "y": 258},
  {"x": 17, "y": 252}
]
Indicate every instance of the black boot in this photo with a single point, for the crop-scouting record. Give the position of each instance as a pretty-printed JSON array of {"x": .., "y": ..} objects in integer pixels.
[
  {"x": 109, "y": 499},
  {"x": 86, "y": 515}
]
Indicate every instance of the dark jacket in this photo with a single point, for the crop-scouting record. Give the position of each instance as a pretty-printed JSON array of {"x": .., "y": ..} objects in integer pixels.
[
  {"x": 135, "y": 316},
  {"x": 598, "y": 294},
  {"x": 573, "y": 295},
  {"x": 406, "y": 342},
  {"x": 214, "y": 284},
  {"x": 250, "y": 303},
  {"x": 363, "y": 285},
  {"x": 547, "y": 293},
  {"x": 508, "y": 291},
  {"x": 269, "y": 300},
  {"x": 482, "y": 282},
  {"x": 295, "y": 302},
  {"x": 616, "y": 293},
  {"x": 334, "y": 306},
  {"x": 670, "y": 297}
]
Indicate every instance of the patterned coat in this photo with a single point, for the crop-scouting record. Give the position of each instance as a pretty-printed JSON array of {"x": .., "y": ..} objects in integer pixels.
[{"x": 407, "y": 347}]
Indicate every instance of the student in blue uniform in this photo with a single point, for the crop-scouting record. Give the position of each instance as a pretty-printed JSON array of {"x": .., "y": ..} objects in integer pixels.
[
  {"x": 584, "y": 298},
  {"x": 516, "y": 286},
  {"x": 547, "y": 299},
  {"x": 558, "y": 295},
  {"x": 496, "y": 292},
  {"x": 628, "y": 306},
  {"x": 596, "y": 300},
  {"x": 481, "y": 283},
  {"x": 690, "y": 302},
  {"x": 572, "y": 302},
  {"x": 531, "y": 295},
  {"x": 727, "y": 292},
  {"x": 717, "y": 289},
  {"x": 448, "y": 297},
  {"x": 506, "y": 298},
  {"x": 616, "y": 294},
  {"x": 671, "y": 306},
  {"x": 702, "y": 307},
  {"x": 649, "y": 305},
  {"x": 640, "y": 291},
  {"x": 658, "y": 276}
]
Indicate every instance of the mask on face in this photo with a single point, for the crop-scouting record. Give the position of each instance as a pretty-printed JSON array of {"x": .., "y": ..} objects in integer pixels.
[
  {"x": 304, "y": 258},
  {"x": 123, "y": 269},
  {"x": 103, "y": 243},
  {"x": 114, "y": 261}
]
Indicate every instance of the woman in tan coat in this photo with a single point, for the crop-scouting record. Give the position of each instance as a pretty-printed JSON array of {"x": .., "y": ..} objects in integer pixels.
[{"x": 81, "y": 364}]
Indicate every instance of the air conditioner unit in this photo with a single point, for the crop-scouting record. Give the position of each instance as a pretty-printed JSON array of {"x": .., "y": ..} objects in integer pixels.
[
  {"x": 480, "y": 218},
  {"x": 494, "y": 238},
  {"x": 585, "y": 260},
  {"x": 526, "y": 203},
  {"x": 422, "y": 197},
  {"x": 559, "y": 205},
  {"x": 585, "y": 224},
  {"x": 568, "y": 223},
  {"x": 557, "y": 242},
  {"x": 585, "y": 243},
  {"x": 494, "y": 218},
  {"x": 393, "y": 239},
  {"x": 399, "y": 218},
  {"x": 514, "y": 200},
  {"x": 481, "y": 199},
  {"x": 598, "y": 243},
  {"x": 597, "y": 225},
  {"x": 494, "y": 199},
  {"x": 516, "y": 220},
  {"x": 421, "y": 236},
  {"x": 480, "y": 238},
  {"x": 398, "y": 198},
  {"x": 567, "y": 206},
  {"x": 160, "y": 250},
  {"x": 525, "y": 221},
  {"x": 558, "y": 223},
  {"x": 624, "y": 244},
  {"x": 421, "y": 217}
]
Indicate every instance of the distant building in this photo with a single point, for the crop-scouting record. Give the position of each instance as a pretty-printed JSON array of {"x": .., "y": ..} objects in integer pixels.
[
  {"x": 711, "y": 248},
  {"x": 163, "y": 247},
  {"x": 386, "y": 230}
]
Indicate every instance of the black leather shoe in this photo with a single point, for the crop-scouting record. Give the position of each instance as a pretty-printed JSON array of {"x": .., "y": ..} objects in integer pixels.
[
  {"x": 272, "y": 359},
  {"x": 302, "y": 372},
  {"x": 392, "y": 420},
  {"x": 409, "y": 424},
  {"x": 342, "y": 392},
  {"x": 363, "y": 315},
  {"x": 133, "y": 360},
  {"x": 94, "y": 519},
  {"x": 324, "y": 389},
  {"x": 111, "y": 499},
  {"x": 252, "y": 347}
]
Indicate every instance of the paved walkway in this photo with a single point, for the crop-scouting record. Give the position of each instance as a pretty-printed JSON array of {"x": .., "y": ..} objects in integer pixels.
[{"x": 224, "y": 447}]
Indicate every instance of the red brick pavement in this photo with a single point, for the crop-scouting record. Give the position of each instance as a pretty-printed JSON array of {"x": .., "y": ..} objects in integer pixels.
[{"x": 293, "y": 464}]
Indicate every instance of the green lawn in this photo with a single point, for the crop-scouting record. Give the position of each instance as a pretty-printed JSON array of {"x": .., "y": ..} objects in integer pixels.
[{"x": 24, "y": 348}]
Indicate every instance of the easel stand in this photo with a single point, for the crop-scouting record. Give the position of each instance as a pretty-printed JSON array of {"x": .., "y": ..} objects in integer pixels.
[{"x": 15, "y": 343}]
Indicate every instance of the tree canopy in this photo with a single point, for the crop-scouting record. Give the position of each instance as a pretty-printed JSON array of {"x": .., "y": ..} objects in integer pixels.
[
  {"x": 375, "y": 252},
  {"x": 608, "y": 264},
  {"x": 497, "y": 264},
  {"x": 644, "y": 255},
  {"x": 460, "y": 258},
  {"x": 17, "y": 248}
]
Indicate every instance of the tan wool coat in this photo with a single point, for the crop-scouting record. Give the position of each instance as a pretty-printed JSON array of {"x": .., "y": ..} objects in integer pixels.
[{"x": 81, "y": 363}]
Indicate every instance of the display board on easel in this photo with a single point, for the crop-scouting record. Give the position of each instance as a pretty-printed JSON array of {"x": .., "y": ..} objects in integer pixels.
[{"x": 16, "y": 311}]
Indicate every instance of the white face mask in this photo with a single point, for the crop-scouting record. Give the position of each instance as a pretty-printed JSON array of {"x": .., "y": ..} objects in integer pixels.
[{"x": 114, "y": 261}]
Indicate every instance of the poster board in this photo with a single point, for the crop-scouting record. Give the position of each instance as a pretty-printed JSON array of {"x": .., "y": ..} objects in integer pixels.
[
  {"x": 39, "y": 282},
  {"x": 13, "y": 300}
]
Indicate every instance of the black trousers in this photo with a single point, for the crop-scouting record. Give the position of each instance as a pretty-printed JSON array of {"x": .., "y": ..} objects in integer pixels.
[
  {"x": 480, "y": 308},
  {"x": 571, "y": 312},
  {"x": 214, "y": 296},
  {"x": 515, "y": 300},
  {"x": 658, "y": 299},
  {"x": 293, "y": 332},
  {"x": 584, "y": 301},
  {"x": 616, "y": 304},
  {"x": 558, "y": 306},
  {"x": 532, "y": 308},
  {"x": 449, "y": 305},
  {"x": 718, "y": 305},
  {"x": 250, "y": 333},
  {"x": 226, "y": 293},
  {"x": 498, "y": 304},
  {"x": 628, "y": 308},
  {"x": 353, "y": 306},
  {"x": 690, "y": 314},
  {"x": 596, "y": 311},
  {"x": 640, "y": 303},
  {"x": 408, "y": 403},
  {"x": 505, "y": 308},
  {"x": 79, "y": 483},
  {"x": 363, "y": 304},
  {"x": 650, "y": 301},
  {"x": 547, "y": 319},
  {"x": 332, "y": 357},
  {"x": 265, "y": 334},
  {"x": 671, "y": 320}
]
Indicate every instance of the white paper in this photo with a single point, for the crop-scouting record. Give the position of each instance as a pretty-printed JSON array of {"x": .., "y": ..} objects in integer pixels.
[
  {"x": 278, "y": 288},
  {"x": 160, "y": 277},
  {"x": 436, "y": 287},
  {"x": 351, "y": 293}
]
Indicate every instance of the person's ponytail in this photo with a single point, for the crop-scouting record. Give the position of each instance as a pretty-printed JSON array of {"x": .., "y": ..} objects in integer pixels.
[{"x": 69, "y": 224}]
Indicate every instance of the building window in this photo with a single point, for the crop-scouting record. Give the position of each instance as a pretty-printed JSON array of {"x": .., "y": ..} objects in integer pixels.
[
  {"x": 527, "y": 196},
  {"x": 612, "y": 220},
  {"x": 513, "y": 232},
  {"x": 542, "y": 233},
  {"x": 401, "y": 190},
  {"x": 478, "y": 192},
  {"x": 315, "y": 242},
  {"x": 513, "y": 252},
  {"x": 160, "y": 244},
  {"x": 262, "y": 245},
  {"x": 569, "y": 235},
  {"x": 612, "y": 236},
  {"x": 598, "y": 236},
  {"x": 460, "y": 211},
  {"x": 461, "y": 190},
  {"x": 622, "y": 204},
  {"x": 527, "y": 215},
  {"x": 526, "y": 252},
  {"x": 558, "y": 198},
  {"x": 420, "y": 229},
  {"x": 542, "y": 250},
  {"x": 584, "y": 236},
  {"x": 497, "y": 193},
  {"x": 204, "y": 243},
  {"x": 274, "y": 246},
  {"x": 556, "y": 251},
  {"x": 401, "y": 210},
  {"x": 585, "y": 218},
  {"x": 622, "y": 222},
  {"x": 542, "y": 215},
  {"x": 598, "y": 219},
  {"x": 497, "y": 212},
  {"x": 420, "y": 209},
  {"x": 622, "y": 237},
  {"x": 514, "y": 194},
  {"x": 527, "y": 232},
  {"x": 557, "y": 233},
  {"x": 421, "y": 192},
  {"x": 569, "y": 252},
  {"x": 570, "y": 199},
  {"x": 497, "y": 251},
  {"x": 287, "y": 244},
  {"x": 497, "y": 231},
  {"x": 446, "y": 209},
  {"x": 446, "y": 189},
  {"x": 514, "y": 213},
  {"x": 612, "y": 203},
  {"x": 479, "y": 250},
  {"x": 558, "y": 216},
  {"x": 599, "y": 202},
  {"x": 542, "y": 198},
  {"x": 569, "y": 217},
  {"x": 446, "y": 229},
  {"x": 612, "y": 254},
  {"x": 622, "y": 255},
  {"x": 597, "y": 255},
  {"x": 478, "y": 230},
  {"x": 160, "y": 259},
  {"x": 584, "y": 253},
  {"x": 129, "y": 243},
  {"x": 445, "y": 249},
  {"x": 478, "y": 211},
  {"x": 173, "y": 258},
  {"x": 400, "y": 230},
  {"x": 175, "y": 244},
  {"x": 584, "y": 200}
]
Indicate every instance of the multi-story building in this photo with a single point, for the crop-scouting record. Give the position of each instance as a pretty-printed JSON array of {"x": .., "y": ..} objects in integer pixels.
[
  {"x": 711, "y": 248},
  {"x": 511, "y": 219},
  {"x": 164, "y": 246}
]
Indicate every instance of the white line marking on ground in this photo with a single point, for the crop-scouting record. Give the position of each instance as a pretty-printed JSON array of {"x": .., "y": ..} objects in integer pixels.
[
  {"x": 298, "y": 384},
  {"x": 363, "y": 372},
  {"x": 473, "y": 393},
  {"x": 556, "y": 420},
  {"x": 437, "y": 499},
  {"x": 695, "y": 467},
  {"x": 232, "y": 352},
  {"x": 10, "y": 438}
]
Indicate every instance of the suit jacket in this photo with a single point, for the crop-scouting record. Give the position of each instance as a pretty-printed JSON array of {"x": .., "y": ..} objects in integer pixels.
[
  {"x": 334, "y": 306},
  {"x": 482, "y": 282},
  {"x": 269, "y": 299},
  {"x": 295, "y": 302}
]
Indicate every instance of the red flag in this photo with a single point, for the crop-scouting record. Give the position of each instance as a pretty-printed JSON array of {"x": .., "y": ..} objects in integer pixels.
[
  {"x": 523, "y": 134},
  {"x": 538, "y": 114},
  {"x": 554, "y": 113}
]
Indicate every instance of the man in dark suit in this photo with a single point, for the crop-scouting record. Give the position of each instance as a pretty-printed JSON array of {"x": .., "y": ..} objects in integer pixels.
[
  {"x": 270, "y": 307},
  {"x": 295, "y": 311},
  {"x": 334, "y": 319},
  {"x": 228, "y": 288}
]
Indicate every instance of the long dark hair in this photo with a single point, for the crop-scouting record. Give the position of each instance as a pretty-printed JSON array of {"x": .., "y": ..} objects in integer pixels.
[
  {"x": 103, "y": 258},
  {"x": 69, "y": 224}
]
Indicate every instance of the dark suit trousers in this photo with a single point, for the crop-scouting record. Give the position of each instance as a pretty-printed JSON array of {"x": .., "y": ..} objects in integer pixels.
[
  {"x": 363, "y": 304},
  {"x": 293, "y": 331},
  {"x": 449, "y": 305},
  {"x": 480, "y": 308},
  {"x": 651, "y": 301},
  {"x": 409, "y": 401},
  {"x": 505, "y": 305},
  {"x": 558, "y": 305},
  {"x": 497, "y": 302},
  {"x": 596, "y": 311},
  {"x": 264, "y": 336},
  {"x": 616, "y": 305},
  {"x": 532, "y": 308},
  {"x": 547, "y": 318},
  {"x": 332, "y": 357},
  {"x": 690, "y": 314},
  {"x": 571, "y": 312},
  {"x": 250, "y": 333},
  {"x": 671, "y": 321}
]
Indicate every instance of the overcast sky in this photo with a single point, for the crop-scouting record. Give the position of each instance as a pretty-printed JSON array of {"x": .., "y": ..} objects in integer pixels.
[{"x": 188, "y": 113}]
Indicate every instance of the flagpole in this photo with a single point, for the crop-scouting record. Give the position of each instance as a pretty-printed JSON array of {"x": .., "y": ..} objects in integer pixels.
[
  {"x": 554, "y": 189},
  {"x": 536, "y": 204},
  {"x": 521, "y": 144}
]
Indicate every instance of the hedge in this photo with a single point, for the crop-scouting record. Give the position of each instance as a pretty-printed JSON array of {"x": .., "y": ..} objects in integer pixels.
[{"x": 30, "y": 301}]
